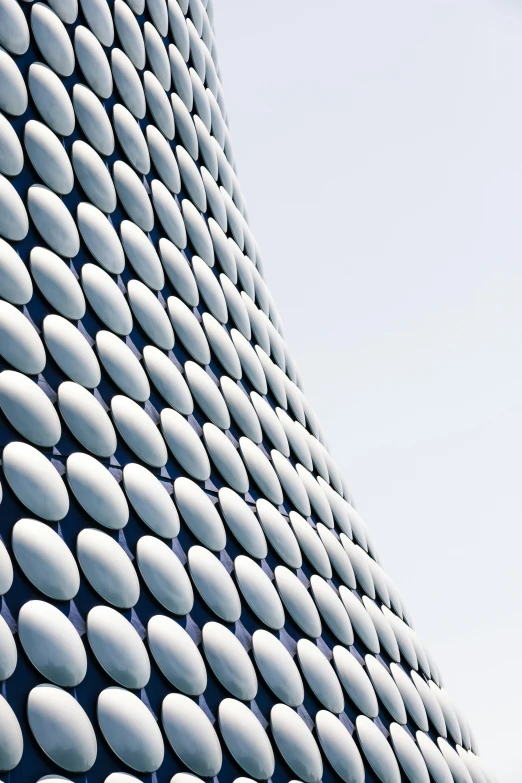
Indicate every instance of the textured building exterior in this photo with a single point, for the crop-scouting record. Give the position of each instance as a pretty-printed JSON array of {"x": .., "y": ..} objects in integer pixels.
[{"x": 186, "y": 586}]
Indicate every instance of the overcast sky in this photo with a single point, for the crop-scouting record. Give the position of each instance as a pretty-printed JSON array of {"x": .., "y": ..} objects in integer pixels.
[{"x": 379, "y": 147}]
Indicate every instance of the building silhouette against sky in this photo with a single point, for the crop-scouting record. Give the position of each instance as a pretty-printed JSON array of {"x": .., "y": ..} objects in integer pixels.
[{"x": 187, "y": 588}]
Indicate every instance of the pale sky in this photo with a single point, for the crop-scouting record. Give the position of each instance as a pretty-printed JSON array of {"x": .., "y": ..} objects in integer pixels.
[{"x": 379, "y": 147}]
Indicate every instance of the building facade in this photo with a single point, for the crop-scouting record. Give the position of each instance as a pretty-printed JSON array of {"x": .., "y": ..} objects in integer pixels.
[{"x": 187, "y": 588}]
